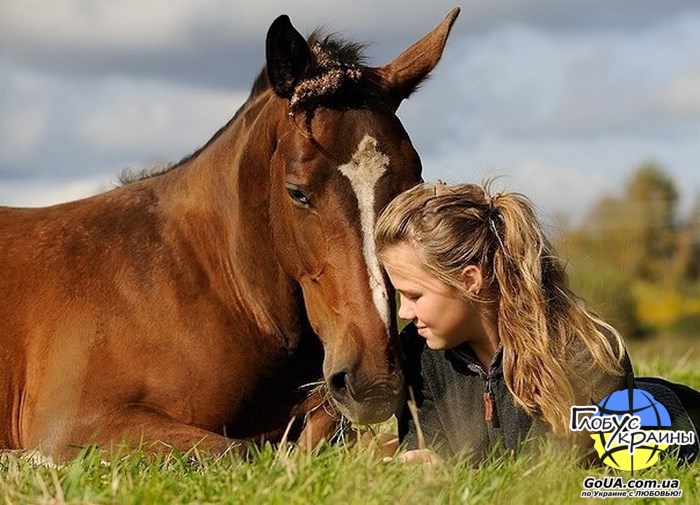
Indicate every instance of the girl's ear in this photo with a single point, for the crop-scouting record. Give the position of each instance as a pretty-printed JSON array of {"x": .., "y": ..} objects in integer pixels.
[{"x": 472, "y": 279}]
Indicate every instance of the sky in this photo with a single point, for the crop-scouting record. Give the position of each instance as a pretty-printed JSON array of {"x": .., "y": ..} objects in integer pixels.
[{"x": 561, "y": 100}]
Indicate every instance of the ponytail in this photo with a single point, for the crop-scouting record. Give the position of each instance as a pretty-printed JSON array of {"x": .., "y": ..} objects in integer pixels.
[
  {"x": 541, "y": 323},
  {"x": 532, "y": 367}
]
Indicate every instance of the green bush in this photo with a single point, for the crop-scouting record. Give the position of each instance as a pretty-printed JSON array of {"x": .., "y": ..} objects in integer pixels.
[{"x": 608, "y": 291}]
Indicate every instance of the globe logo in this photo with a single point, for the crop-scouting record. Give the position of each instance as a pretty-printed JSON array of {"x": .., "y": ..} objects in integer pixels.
[{"x": 611, "y": 447}]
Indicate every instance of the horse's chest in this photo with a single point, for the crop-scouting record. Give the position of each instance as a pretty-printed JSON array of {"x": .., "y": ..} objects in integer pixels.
[{"x": 246, "y": 389}]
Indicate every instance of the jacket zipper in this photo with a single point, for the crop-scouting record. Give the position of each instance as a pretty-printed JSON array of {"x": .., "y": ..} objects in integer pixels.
[{"x": 490, "y": 411}]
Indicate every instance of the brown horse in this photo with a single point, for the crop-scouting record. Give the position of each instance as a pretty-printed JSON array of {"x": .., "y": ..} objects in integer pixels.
[{"x": 193, "y": 305}]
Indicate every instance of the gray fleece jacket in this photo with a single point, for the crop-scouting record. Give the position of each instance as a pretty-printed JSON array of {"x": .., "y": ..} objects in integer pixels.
[{"x": 466, "y": 410}]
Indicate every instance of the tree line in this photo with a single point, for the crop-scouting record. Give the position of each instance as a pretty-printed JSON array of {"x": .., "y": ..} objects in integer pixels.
[{"x": 636, "y": 260}]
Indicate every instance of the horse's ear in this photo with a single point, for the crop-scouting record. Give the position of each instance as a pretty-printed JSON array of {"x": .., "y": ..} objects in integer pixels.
[
  {"x": 288, "y": 56},
  {"x": 404, "y": 73}
]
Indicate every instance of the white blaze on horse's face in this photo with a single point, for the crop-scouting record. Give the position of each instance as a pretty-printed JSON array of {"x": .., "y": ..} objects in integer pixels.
[{"x": 363, "y": 170}]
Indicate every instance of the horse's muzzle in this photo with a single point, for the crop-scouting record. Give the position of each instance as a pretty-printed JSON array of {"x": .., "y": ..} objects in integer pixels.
[{"x": 366, "y": 402}]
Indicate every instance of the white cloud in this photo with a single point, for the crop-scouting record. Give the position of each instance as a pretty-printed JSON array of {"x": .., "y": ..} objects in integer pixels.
[
  {"x": 40, "y": 192},
  {"x": 524, "y": 83},
  {"x": 21, "y": 130},
  {"x": 23, "y": 122},
  {"x": 54, "y": 125},
  {"x": 76, "y": 23},
  {"x": 560, "y": 187},
  {"x": 566, "y": 176},
  {"x": 555, "y": 188},
  {"x": 154, "y": 117},
  {"x": 682, "y": 95}
]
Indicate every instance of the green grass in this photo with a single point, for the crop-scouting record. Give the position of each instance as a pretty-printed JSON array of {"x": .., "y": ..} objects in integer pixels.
[
  {"x": 339, "y": 474},
  {"x": 674, "y": 358}
]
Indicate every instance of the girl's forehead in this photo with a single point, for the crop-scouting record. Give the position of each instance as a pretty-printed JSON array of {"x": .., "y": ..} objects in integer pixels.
[
  {"x": 403, "y": 259},
  {"x": 408, "y": 271}
]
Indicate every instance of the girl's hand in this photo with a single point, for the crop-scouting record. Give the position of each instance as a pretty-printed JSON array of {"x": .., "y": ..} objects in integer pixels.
[{"x": 426, "y": 457}]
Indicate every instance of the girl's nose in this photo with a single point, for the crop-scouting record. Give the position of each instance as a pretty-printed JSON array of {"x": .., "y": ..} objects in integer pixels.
[{"x": 405, "y": 310}]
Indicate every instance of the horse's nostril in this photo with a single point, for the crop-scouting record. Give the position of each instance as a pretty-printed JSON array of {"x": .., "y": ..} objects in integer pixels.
[{"x": 339, "y": 385}]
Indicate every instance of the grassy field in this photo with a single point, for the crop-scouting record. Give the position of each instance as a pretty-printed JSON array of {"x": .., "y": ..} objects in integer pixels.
[{"x": 284, "y": 475}]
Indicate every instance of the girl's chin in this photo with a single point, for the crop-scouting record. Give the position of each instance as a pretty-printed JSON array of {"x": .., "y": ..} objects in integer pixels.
[{"x": 434, "y": 344}]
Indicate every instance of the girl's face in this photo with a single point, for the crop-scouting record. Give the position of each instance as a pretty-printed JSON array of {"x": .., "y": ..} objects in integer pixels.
[{"x": 443, "y": 317}]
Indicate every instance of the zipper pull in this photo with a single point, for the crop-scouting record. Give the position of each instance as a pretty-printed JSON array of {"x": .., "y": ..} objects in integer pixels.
[
  {"x": 490, "y": 412},
  {"x": 488, "y": 406}
]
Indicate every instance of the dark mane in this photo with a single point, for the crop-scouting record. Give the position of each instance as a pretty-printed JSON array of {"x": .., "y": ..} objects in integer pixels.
[{"x": 336, "y": 79}]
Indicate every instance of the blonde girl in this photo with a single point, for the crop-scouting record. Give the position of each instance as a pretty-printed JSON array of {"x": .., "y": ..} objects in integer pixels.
[{"x": 499, "y": 348}]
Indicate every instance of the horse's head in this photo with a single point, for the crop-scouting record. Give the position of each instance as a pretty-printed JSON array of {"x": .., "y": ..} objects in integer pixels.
[{"x": 341, "y": 156}]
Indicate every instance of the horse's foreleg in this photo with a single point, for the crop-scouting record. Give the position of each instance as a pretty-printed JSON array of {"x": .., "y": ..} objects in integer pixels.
[
  {"x": 321, "y": 420},
  {"x": 320, "y": 425},
  {"x": 154, "y": 433}
]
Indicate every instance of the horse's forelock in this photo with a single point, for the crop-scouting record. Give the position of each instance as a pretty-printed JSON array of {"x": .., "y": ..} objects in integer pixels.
[
  {"x": 337, "y": 77},
  {"x": 330, "y": 48}
]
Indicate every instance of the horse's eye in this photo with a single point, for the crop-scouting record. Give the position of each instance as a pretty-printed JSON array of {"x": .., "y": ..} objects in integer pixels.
[{"x": 298, "y": 196}]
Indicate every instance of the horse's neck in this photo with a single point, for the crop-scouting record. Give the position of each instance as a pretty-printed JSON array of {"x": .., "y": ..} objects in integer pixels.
[{"x": 224, "y": 192}]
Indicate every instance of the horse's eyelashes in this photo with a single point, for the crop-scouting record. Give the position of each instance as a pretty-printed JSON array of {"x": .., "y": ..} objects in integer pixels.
[{"x": 298, "y": 196}]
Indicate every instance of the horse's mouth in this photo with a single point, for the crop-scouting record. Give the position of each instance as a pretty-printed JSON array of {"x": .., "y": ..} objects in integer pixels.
[
  {"x": 375, "y": 407},
  {"x": 362, "y": 414}
]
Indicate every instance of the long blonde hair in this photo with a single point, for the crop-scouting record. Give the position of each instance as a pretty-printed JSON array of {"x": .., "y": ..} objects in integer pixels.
[{"x": 539, "y": 319}]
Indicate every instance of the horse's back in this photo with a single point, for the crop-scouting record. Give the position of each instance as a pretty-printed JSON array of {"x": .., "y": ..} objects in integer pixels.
[{"x": 70, "y": 242}]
